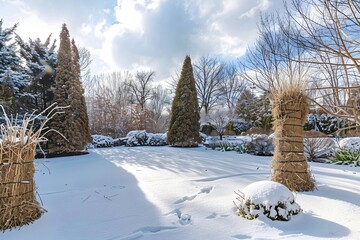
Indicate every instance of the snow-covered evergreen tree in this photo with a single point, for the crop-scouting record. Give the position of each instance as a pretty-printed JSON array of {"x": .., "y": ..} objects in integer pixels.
[
  {"x": 13, "y": 77},
  {"x": 41, "y": 60}
]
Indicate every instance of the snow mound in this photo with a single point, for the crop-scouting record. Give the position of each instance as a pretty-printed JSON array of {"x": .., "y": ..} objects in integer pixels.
[
  {"x": 352, "y": 143},
  {"x": 268, "y": 198},
  {"x": 102, "y": 141}
]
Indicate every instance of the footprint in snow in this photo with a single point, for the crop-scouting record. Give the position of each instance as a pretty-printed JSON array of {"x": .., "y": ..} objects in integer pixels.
[
  {"x": 206, "y": 190},
  {"x": 183, "y": 218},
  {"x": 214, "y": 215}
]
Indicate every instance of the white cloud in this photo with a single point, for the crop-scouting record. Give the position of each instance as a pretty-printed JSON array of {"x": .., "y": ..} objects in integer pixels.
[{"x": 152, "y": 34}]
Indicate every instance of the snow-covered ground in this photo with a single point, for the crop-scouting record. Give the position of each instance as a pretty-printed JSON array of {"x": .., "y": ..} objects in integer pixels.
[{"x": 180, "y": 193}]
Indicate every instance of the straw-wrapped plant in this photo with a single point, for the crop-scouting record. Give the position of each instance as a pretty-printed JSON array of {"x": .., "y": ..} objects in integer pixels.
[
  {"x": 18, "y": 204},
  {"x": 289, "y": 165}
]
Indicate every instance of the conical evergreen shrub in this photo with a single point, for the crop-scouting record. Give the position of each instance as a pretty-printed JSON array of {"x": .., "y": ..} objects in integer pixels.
[
  {"x": 63, "y": 122},
  {"x": 184, "y": 123},
  {"x": 82, "y": 136}
]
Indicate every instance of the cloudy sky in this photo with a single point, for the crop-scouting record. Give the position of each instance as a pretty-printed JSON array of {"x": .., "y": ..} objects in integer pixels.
[{"x": 143, "y": 34}]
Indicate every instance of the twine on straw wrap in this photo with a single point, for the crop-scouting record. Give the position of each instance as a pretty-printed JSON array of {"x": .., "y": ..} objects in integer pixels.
[{"x": 289, "y": 165}]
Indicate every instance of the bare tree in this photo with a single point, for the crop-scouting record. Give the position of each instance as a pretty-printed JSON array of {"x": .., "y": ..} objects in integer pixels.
[
  {"x": 140, "y": 87},
  {"x": 273, "y": 58},
  {"x": 219, "y": 120},
  {"x": 231, "y": 87},
  {"x": 109, "y": 104},
  {"x": 209, "y": 74},
  {"x": 85, "y": 62},
  {"x": 159, "y": 118},
  {"x": 330, "y": 30}
]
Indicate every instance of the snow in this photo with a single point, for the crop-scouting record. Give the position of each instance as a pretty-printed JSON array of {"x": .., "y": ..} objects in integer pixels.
[
  {"x": 180, "y": 193},
  {"x": 23, "y": 140}
]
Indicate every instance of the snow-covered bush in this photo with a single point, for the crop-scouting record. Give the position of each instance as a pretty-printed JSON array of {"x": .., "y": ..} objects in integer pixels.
[
  {"x": 156, "y": 139},
  {"x": 260, "y": 145},
  {"x": 102, "y": 141},
  {"x": 142, "y": 138},
  {"x": 239, "y": 125},
  {"x": 351, "y": 143},
  {"x": 239, "y": 146},
  {"x": 137, "y": 138},
  {"x": 212, "y": 142},
  {"x": 325, "y": 123},
  {"x": 318, "y": 149},
  {"x": 267, "y": 198}
]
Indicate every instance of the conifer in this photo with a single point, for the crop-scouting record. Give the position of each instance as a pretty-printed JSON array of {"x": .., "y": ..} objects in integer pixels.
[
  {"x": 184, "y": 124},
  {"x": 63, "y": 122},
  {"x": 83, "y": 136},
  {"x": 13, "y": 78}
]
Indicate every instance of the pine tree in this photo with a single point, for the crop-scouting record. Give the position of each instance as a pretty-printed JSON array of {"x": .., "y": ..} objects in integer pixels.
[
  {"x": 254, "y": 109},
  {"x": 63, "y": 122},
  {"x": 41, "y": 61},
  {"x": 83, "y": 136},
  {"x": 13, "y": 77},
  {"x": 247, "y": 105},
  {"x": 184, "y": 124}
]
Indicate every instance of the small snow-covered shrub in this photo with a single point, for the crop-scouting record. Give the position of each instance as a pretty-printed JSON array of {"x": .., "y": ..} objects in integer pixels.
[
  {"x": 156, "y": 139},
  {"x": 267, "y": 198},
  {"x": 102, "y": 141},
  {"x": 318, "y": 149},
  {"x": 351, "y": 143},
  {"x": 212, "y": 142},
  {"x": 137, "y": 138},
  {"x": 260, "y": 145},
  {"x": 239, "y": 146}
]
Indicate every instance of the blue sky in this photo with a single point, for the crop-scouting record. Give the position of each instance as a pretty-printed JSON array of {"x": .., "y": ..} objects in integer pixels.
[{"x": 143, "y": 34}]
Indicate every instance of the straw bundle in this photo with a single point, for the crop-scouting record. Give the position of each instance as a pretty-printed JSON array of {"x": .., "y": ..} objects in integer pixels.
[
  {"x": 289, "y": 165},
  {"x": 18, "y": 204}
]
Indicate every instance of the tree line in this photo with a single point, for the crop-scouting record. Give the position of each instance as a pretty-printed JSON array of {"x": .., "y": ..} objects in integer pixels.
[{"x": 313, "y": 40}]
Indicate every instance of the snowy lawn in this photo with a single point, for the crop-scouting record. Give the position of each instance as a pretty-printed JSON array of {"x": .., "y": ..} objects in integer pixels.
[{"x": 180, "y": 193}]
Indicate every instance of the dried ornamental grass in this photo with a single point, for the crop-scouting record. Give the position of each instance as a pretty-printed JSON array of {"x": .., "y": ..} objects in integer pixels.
[
  {"x": 18, "y": 204},
  {"x": 289, "y": 164}
]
